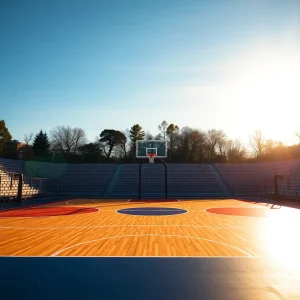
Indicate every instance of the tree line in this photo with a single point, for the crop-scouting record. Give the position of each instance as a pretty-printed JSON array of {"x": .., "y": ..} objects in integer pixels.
[{"x": 185, "y": 145}]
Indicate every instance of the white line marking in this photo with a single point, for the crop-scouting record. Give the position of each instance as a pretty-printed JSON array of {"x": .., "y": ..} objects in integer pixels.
[{"x": 164, "y": 235}]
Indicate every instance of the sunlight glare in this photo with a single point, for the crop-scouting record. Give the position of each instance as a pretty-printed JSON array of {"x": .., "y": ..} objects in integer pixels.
[
  {"x": 280, "y": 236},
  {"x": 266, "y": 86}
]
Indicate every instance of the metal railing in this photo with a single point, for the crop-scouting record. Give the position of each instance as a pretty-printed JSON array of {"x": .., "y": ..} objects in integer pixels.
[{"x": 32, "y": 186}]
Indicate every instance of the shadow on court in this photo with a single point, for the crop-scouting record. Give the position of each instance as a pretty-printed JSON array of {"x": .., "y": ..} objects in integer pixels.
[{"x": 146, "y": 278}]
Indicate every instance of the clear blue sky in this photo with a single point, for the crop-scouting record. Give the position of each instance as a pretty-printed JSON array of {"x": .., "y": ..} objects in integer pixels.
[{"x": 111, "y": 64}]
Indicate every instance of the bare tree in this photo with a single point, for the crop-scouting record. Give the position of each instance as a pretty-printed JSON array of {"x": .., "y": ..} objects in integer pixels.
[
  {"x": 163, "y": 129},
  {"x": 172, "y": 133},
  {"x": 197, "y": 146},
  {"x": 185, "y": 142},
  {"x": 213, "y": 137},
  {"x": 28, "y": 138},
  {"x": 298, "y": 135},
  {"x": 67, "y": 139},
  {"x": 191, "y": 144},
  {"x": 257, "y": 143},
  {"x": 235, "y": 151},
  {"x": 221, "y": 146}
]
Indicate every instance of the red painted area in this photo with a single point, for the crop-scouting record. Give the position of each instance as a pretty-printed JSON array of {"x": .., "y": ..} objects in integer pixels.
[
  {"x": 240, "y": 211},
  {"x": 46, "y": 212}
]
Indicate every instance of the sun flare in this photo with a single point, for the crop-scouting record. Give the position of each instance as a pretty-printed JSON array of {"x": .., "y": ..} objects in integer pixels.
[
  {"x": 280, "y": 240},
  {"x": 266, "y": 86}
]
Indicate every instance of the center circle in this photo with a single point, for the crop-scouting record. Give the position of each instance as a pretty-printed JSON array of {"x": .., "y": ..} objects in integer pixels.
[{"x": 152, "y": 211}]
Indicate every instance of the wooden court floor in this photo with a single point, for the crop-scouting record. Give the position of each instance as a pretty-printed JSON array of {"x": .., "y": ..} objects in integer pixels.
[{"x": 241, "y": 229}]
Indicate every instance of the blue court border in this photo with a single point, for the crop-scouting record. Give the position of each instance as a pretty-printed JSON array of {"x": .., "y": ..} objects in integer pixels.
[{"x": 150, "y": 278}]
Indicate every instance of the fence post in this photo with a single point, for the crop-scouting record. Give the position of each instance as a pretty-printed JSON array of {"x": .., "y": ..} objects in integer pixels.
[{"x": 20, "y": 187}]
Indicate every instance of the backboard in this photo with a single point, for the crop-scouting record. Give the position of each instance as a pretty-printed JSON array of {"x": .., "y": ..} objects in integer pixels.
[{"x": 144, "y": 147}]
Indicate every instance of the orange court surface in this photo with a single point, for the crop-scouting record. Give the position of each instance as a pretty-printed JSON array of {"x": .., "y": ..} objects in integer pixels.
[
  {"x": 94, "y": 227},
  {"x": 148, "y": 249}
]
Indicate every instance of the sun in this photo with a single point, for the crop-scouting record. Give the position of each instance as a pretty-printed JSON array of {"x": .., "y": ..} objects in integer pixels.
[{"x": 266, "y": 86}]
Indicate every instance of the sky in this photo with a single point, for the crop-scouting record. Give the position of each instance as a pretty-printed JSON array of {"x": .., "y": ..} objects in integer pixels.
[{"x": 230, "y": 65}]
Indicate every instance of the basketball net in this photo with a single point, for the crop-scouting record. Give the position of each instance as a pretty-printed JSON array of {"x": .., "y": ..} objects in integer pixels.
[{"x": 151, "y": 157}]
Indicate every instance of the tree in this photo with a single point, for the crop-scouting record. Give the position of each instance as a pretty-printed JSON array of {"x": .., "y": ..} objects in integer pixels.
[
  {"x": 196, "y": 146},
  {"x": 213, "y": 137},
  {"x": 135, "y": 134},
  {"x": 148, "y": 136},
  {"x": 41, "y": 144},
  {"x": 27, "y": 138},
  {"x": 235, "y": 152},
  {"x": 191, "y": 144},
  {"x": 258, "y": 143},
  {"x": 121, "y": 148},
  {"x": 12, "y": 149},
  {"x": 5, "y": 135},
  {"x": 111, "y": 138},
  {"x": 67, "y": 139},
  {"x": 298, "y": 135},
  {"x": 172, "y": 135},
  {"x": 163, "y": 129},
  {"x": 91, "y": 152},
  {"x": 221, "y": 146}
]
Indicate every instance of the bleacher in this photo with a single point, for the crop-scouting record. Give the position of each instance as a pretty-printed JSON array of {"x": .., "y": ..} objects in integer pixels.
[
  {"x": 195, "y": 180},
  {"x": 86, "y": 179},
  {"x": 73, "y": 179},
  {"x": 184, "y": 180},
  {"x": 126, "y": 183},
  {"x": 253, "y": 179},
  {"x": 122, "y": 181},
  {"x": 9, "y": 186}
]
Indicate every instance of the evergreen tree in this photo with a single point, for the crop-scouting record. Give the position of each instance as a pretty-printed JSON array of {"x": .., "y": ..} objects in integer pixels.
[
  {"x": 135, "y": 134},
  {"x": 5, "y": 135},
  {"x": 41, "y": 144}
]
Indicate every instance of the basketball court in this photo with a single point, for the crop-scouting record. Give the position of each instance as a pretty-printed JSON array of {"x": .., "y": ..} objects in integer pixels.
[
  {"x": 132, "y": 249},
  {"x": 168, "y": 248}
]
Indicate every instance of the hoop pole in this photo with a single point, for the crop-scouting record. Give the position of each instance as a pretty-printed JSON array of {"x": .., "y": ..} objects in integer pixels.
[
  {"x": 140, "y": 180},
  {"x": 166, "y": 178}
]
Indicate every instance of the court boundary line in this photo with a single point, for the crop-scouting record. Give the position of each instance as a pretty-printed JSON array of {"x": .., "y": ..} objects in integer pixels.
[{"x": 164, "y": 235}]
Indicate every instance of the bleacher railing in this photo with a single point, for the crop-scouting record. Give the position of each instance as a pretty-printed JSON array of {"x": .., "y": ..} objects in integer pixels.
[{"x": 32, "y": 186}]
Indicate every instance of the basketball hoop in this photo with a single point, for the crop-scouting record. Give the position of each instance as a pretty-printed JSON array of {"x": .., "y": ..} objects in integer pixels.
[{"x": 151, "y": 157}]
